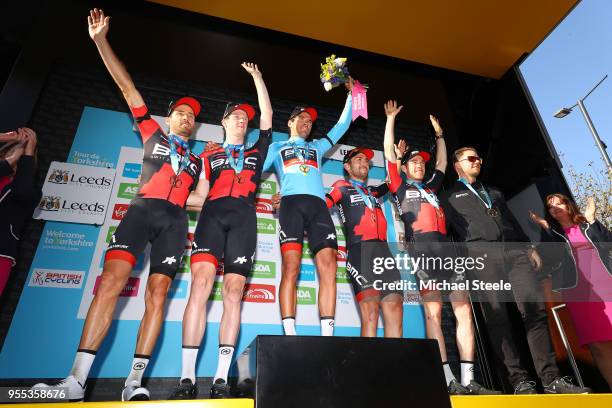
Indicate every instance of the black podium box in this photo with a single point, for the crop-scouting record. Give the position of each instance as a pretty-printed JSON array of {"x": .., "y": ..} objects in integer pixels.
[{"x": 313, "y": 371}]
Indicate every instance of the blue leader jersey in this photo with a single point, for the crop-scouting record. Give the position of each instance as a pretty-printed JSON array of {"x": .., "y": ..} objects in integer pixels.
[{"x": 297, "y": 163}]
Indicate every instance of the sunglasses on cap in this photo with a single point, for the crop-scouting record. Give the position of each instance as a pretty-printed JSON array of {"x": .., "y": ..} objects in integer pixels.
[{"x": 472, "y": 159}]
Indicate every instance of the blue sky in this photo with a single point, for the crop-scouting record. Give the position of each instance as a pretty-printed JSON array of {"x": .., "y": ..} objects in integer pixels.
[{"x": 564, "y": 67}]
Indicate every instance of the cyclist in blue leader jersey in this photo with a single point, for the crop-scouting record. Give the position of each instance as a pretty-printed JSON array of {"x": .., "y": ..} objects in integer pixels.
[{"x": 297, "y": 163}]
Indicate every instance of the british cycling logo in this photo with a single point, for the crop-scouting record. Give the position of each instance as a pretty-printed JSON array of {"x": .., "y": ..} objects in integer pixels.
[
  {"x": 119, "y": 211},
  {"x": 49, "y": 203},
  {"x": 54, "y": 278}
]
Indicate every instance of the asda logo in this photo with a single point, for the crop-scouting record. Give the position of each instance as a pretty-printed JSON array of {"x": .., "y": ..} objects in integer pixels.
[
  {"x": 306, "y": 251},
  {"x": 185, "y": 266},
  {"x": 341, "y": 276},
  {"x": 217, "y": 292},
  {"x": 127, "y": 190},
  {"x": 109, "y": 234},
  {"x": 306, "y": 295},
  {"x": 193, "y": 218},
  {"x": 340, "y": 234},
  {"x": 267, "y": 187},
  {"x": 266, "y": 226},
  {"x": 264, "y": 269}
]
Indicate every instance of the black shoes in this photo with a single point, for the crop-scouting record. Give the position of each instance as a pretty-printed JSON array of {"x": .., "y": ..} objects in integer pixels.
[
  {"x": 476, "y": 389},
  {"x": 455, "y": 388},
  {"x": 563, "y": 385},
  {"x": 220, "y": 389},
  {"x": 525, "y": 387},
  {"x": 185, "y": 390}
]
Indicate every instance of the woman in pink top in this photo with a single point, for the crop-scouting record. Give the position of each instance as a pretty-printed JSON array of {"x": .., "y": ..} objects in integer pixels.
[{"x": 583, "y": 270}]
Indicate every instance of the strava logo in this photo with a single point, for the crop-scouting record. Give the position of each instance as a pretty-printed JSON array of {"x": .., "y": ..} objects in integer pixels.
[
  {"x": 259, "y": 293},
  {"x": 119, "y": 211},
  {"x": 264, "y": 206}
]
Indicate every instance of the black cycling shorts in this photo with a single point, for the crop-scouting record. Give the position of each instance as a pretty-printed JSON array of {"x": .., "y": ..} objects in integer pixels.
[
  {"x": 301, "y": 212},
  {"x": 153, "y": 220},
  {"x": 227, "y": 229},
  {"x": 365, "y": 268},
  {"x": 436, "y": 247}
]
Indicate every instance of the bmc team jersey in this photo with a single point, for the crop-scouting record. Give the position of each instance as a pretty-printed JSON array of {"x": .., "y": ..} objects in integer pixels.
[
  {"x": 418, "y": 214},
  {"x": 362, "y": 222},
  {"x": 158, "y": 179},
  {"x": 224, "y": 182},
  {"x": 298, "y": 163}
]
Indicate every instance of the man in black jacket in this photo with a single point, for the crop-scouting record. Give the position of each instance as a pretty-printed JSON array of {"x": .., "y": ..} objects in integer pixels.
[{"x": 479, "y": 216}]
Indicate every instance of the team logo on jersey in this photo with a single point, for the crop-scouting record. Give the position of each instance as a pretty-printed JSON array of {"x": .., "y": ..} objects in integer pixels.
[
  {"x": 309, "y": 157},
  {"x": 221, "y": 160},
  {"x": 164, "y": 151}
]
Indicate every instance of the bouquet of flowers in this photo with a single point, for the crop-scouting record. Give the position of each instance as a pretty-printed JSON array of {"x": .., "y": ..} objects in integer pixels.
[{"x": 334, "y": 72}]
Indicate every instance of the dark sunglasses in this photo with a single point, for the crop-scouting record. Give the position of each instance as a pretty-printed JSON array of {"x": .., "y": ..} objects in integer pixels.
[{"x": 472, "y": 159}]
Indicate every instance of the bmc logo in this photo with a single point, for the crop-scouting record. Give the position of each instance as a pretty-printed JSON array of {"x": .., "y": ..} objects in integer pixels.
[
  {"x": 259, "y": 293},
  {"x": 223, "y": 161},
  {"x": 119, "y": 211},
  {"x": 264, "y": 206}
]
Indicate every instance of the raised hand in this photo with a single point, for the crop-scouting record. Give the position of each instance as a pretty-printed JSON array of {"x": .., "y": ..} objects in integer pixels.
[
  {"x": 13, "y": 155},
  {"x": 400, "y": 148},
  {"x": 391, "y": 108},
  {"x": 538, "y": 220},
  {"x": 30, "y": 141},
  {"x": 98, "y": 24},
  {"x": 211, "y": 146},
  {"x": 350, "y": 83},
  {"x": 276, "y": 201},
  {"x": 436, "y": 125},
  {"x": 251, "y": 68},
  {"x": 589, "y": 212}
]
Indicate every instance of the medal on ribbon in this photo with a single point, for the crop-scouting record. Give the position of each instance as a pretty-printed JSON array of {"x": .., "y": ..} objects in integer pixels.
[
  {"x": 178, "y": 161},
  {"x": 237, "y": 164},
  {"x": 298, "y": 154},
  {"x": 488, "y": 203}
]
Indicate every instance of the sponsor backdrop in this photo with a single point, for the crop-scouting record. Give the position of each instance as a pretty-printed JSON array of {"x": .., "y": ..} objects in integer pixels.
[
  {"x": 75, "y": 193},
  {"x": 66, "y": 269}
]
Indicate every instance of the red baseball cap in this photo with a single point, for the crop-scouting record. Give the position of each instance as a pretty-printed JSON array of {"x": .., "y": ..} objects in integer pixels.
[
  {"x": 411, "y": 153},
  {"x": 186, "y": 100},
  {"x": 354, "y": 152},
  {"x": 248, "y": 109},
  {"x": 308, "y": 109}
]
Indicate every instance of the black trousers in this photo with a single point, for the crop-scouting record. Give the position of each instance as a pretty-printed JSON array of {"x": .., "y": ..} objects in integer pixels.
[{"x": 513, "y": 266}]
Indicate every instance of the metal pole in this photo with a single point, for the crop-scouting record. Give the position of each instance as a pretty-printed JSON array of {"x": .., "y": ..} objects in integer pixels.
[
  {"x": 598, "y": 142},
  {"x": 566, "y": 344}
]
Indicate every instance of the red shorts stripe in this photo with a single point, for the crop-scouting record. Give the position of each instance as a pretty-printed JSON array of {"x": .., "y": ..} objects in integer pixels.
[
  {"x": 291, "y": 246},
  {"x": 364, "y": 294},
  {"x": 120, "y": 254},
  {"x": 204, "y": 257}
]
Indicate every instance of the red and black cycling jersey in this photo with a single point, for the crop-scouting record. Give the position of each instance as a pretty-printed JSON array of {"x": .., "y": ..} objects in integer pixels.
[
  {"x": 361, "y": 222},
  {"x": 157, "y": 178},
  {"x": 224, "y": 182},
  {"x": 418, "y": 214}
]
